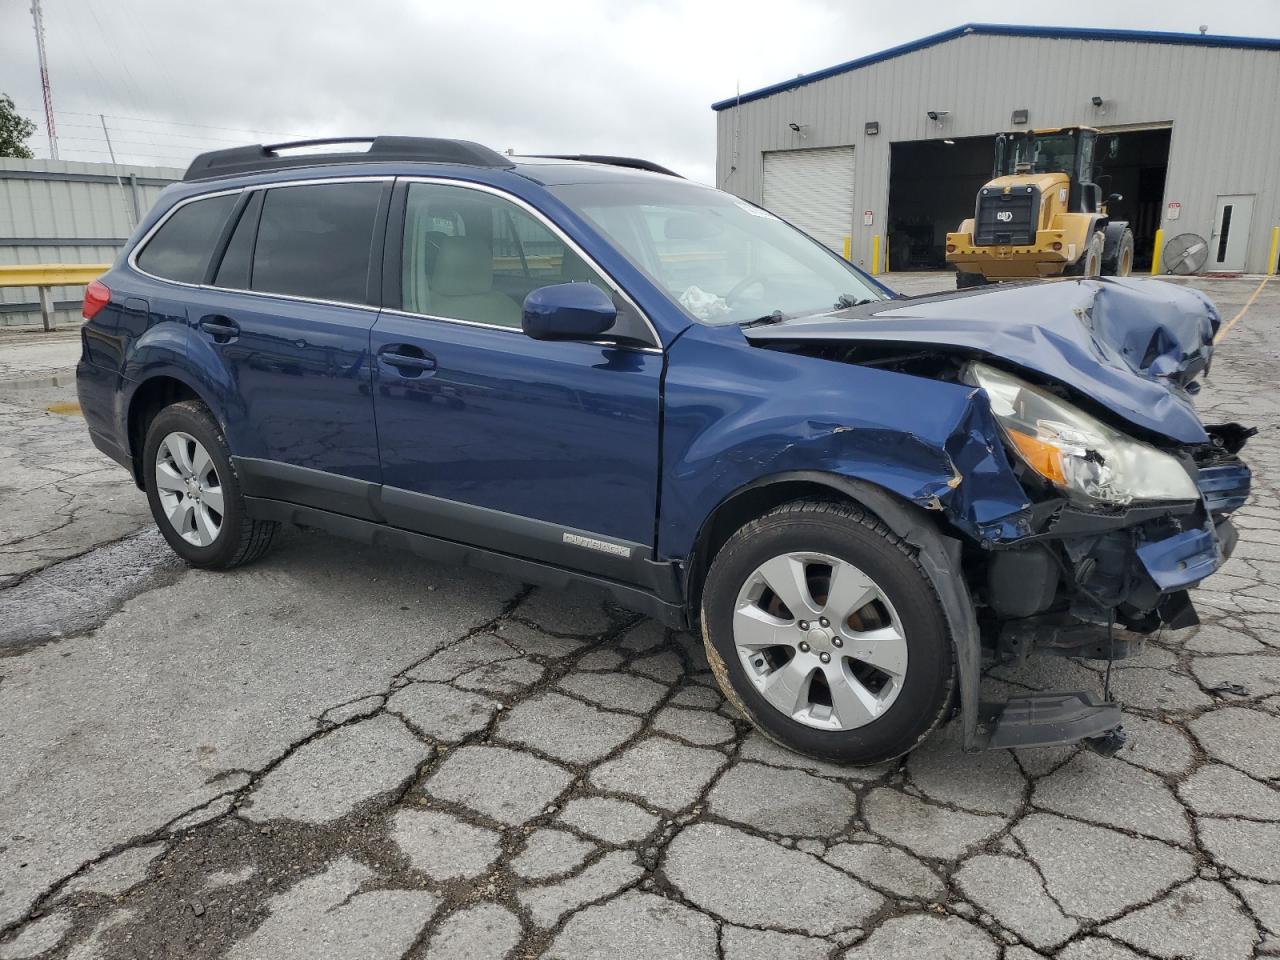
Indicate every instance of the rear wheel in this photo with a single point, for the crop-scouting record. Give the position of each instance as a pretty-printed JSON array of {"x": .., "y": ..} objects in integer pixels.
[
  {"x": 194, "y": 493},
  {"x": 823, "y": 630},
  {"x": 1121, "y": 262}
]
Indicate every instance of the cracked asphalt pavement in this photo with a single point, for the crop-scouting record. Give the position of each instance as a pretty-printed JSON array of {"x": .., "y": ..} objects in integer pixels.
[{"x": 341, "y": 752}]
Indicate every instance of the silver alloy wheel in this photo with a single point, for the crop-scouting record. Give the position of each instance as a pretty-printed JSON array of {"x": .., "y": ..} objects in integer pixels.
[
  {"x": 189, "y": 488},
  {"x": 820, "y": 641}
]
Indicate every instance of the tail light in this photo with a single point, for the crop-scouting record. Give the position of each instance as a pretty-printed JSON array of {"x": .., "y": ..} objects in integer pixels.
[
  {"x": 951, "y": 248},
  {"x": 1057, "y": 245},
  {"x": 96, "y": 296}
]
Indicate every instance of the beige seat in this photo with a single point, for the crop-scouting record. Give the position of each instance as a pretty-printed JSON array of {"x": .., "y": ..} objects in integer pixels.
[{"x": 462, "y": 284}]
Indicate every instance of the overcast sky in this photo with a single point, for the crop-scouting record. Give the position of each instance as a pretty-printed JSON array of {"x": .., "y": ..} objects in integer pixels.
[{"x": 174, "y": 77}]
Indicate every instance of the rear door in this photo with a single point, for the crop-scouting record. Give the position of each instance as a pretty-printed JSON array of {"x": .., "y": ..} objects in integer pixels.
[
  {"x": 287, "y": 321},
  {"x": 547, "y": 450}
]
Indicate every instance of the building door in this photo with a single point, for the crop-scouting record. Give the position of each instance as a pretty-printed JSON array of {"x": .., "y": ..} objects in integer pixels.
[
  {"x": 812, "y": 189},
  {"x": 1230, "y": 240}
]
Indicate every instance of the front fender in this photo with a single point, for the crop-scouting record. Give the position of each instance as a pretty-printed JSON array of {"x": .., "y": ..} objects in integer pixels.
[{"x": 735, "y": 414}]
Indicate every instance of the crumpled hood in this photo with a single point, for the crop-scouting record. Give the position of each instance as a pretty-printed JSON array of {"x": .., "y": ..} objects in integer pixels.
[{"x": 1131, "y": 345}]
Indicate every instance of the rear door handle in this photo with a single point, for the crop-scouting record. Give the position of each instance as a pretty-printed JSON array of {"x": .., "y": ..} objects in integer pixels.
[
  {"x": 219, "y": 327},
  {"x": 410, "y": 361}
]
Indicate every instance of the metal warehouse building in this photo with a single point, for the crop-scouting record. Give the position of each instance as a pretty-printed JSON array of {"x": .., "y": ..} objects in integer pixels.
[
  {"x": 880, "y": 157},
  {"x": 64, "y": 212}
]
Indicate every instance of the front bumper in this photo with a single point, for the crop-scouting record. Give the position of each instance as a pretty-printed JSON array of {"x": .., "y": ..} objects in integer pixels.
[{"x": 1183, "y": 560}]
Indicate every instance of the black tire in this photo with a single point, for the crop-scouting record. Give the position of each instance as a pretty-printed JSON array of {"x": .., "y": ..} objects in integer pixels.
[
  {"x": 1090, "y": 262},
  {"x": 240, "y": 539},
  {"x": 966, "y": 281},
  {"x": 845, "y": 532},
  {"x": 1121, "y": 262}
]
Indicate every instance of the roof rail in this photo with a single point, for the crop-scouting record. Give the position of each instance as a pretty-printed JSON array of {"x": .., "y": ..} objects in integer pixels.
[
  {"x": 635, "y": 163},
  {"x": 258, "y": 157}
]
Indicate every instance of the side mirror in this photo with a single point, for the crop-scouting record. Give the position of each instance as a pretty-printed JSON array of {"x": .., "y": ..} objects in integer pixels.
[{"x": 567, "y": 311}]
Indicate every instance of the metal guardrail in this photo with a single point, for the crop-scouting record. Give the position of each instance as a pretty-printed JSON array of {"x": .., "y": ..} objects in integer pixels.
[{"x": 45, "y": 276}]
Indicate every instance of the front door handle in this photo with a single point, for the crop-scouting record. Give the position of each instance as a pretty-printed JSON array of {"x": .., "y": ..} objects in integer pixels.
[
  {"x": 222, "y": 329},
  {"x": 409, "y": 360}
]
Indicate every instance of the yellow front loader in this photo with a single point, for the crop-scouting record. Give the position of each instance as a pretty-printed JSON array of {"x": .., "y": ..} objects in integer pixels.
[{"x": 1043, "y": 214}]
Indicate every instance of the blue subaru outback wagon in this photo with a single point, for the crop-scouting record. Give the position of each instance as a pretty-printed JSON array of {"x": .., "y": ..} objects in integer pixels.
[{"x": 589, "y": 369}]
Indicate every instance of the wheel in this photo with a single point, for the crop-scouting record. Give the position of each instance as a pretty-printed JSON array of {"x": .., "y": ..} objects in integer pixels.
[
  {"x": 1090, "y": 262},
  {"x": 194, "y": 492},
  {"x": 824, "y": 631},
  {"x": 966, "y": 280},
  {"x": 1121, "y": 265}
]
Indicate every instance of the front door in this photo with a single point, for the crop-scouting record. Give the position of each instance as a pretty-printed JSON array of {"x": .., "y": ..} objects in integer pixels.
[
  {"x": 1230, "y": 241},
  {"x": 546, "y": 450}
]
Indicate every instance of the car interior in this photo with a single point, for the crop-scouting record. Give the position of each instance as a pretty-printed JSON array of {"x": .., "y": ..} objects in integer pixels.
[{"x": 477, "y": 259}]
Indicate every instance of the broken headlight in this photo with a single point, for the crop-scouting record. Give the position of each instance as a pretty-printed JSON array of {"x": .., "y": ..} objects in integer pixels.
[{"x": 1076, "y": 452}]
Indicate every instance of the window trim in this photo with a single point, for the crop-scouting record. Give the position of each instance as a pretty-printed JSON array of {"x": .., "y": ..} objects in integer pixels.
[
  {"x": 132, "y": 259},
  {"x": 397, "y": 219},
  {"x": 249, "y": 205}
]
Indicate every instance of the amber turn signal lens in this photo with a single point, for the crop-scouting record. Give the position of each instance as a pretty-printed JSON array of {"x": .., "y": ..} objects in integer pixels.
[{"x": 1044, "y": 458}]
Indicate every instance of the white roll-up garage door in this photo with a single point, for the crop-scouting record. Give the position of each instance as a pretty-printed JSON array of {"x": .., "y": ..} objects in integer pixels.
[{"x": 812, "y": 189}]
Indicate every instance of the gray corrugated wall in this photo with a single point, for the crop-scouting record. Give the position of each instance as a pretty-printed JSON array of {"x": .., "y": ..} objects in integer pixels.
[
  {"x": 1224, "y": 104},
  {"x": 52, "y": 200}
]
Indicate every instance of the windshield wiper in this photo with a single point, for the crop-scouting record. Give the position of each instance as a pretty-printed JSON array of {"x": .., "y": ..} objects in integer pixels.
[
  {"x": 775, "y": 317},
  {"x": 848, "y": 300}
]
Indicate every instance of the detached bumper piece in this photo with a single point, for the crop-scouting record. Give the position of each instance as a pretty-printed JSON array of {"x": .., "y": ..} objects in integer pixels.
[
  {"x": 1049, "y": 719},
  {"x": 1183, "y": 560}
]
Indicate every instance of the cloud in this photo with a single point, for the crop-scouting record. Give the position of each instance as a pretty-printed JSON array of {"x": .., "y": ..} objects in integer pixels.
[{"x": 174, "y": 77}]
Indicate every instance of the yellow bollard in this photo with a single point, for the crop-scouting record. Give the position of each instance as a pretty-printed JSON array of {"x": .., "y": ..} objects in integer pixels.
[
  {"x": 848, "y": 247},
  {"x": 1275, "y": 249},
  {"x": 1155, "y": 257},
  {"x": 875, "y": 254}
]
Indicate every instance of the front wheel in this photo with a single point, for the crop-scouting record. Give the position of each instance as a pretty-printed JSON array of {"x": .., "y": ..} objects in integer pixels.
[
  {"x": 1090, "y": 262},
  {"x": 194, "y": 493},
  {"x": 822, "y": 628}
]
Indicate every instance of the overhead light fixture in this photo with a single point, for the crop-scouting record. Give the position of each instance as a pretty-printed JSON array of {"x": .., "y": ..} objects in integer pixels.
[
  {"x": 1096, "y": 101},
  {"x": 872, "y": 128},
  {"x": 937, "y": 116},
  {"x": 949, "y": 143},
  {"x": 1020, "y": 116}
]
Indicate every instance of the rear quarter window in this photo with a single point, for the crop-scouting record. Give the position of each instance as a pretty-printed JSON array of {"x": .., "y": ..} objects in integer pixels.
[{"x": 181, "y": 248}]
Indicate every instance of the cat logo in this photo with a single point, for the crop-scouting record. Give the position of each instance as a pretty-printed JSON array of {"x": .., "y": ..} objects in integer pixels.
[{"x": 1004, "y": 216}]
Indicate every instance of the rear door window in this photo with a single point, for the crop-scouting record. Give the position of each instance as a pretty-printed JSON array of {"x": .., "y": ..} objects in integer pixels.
[
  {"x": 181, "y": 248},
  {"x": 315, "y": 241}
]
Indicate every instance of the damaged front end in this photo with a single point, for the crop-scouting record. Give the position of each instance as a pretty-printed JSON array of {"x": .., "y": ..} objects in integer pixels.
[{"x": 1123, "y": 496}]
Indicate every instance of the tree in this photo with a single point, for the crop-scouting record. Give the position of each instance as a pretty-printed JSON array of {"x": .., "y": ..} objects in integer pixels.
[{"x": 14, "y": 130}]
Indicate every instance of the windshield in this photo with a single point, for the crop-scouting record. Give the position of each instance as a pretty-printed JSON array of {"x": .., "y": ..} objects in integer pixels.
[
  {"x": 721, "y": 259},
  {"x": 1032, "y": 153}
]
